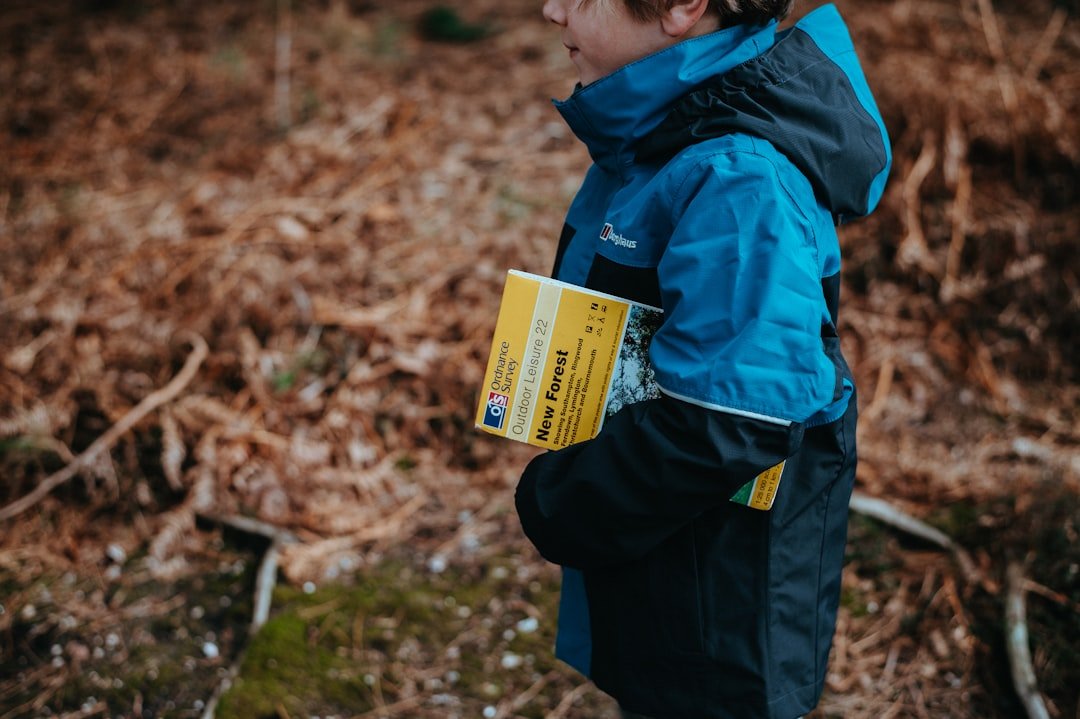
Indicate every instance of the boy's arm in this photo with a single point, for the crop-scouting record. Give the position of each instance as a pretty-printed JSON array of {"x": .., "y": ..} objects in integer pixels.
[
  {"x": 654, "y": 467},
  {"x": 741, "y": 341}
]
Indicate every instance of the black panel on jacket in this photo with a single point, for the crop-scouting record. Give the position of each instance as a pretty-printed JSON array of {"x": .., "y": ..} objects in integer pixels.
[
  {"x": 830, "y": 287},
  {"x": 639, "y": 284},
  {"x": 830, "y": 339},
  {"x": 568, "y": 233}
]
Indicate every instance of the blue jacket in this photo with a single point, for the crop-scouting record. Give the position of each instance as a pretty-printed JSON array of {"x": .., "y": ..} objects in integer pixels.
[{"x": 721, "y": 168}]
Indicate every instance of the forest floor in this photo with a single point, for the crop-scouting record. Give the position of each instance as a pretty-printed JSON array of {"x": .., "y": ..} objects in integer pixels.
[{"x": 252, "y": 258}]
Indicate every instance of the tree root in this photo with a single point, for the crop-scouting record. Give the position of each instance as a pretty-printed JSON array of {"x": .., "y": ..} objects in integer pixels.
[
  {"x": 1016, "y": 632},
  {"x": 1016, "y": 643}
]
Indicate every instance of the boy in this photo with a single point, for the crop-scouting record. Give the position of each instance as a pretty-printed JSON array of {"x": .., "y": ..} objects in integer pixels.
[{"x": 725, "y": 153}]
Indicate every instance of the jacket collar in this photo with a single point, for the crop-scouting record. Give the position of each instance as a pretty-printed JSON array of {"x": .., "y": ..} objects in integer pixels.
[
  {"x": 808, "y": 97},
  {"x": 616, "y": 111}
]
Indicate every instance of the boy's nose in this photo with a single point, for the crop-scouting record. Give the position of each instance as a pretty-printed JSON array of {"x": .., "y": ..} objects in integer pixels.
[{"x": 555, "y": 11}]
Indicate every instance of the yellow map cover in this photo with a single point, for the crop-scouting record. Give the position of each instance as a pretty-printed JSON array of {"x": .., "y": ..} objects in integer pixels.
[{"x": 564, "y": 358}]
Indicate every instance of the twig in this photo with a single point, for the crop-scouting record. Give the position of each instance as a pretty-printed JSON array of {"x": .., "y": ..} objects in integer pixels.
[
  {"x": 884, "y": 512},
  {"x": 264, "y": 587},
  {"x": 389, "y": 527},
  {"x": 881, "y": 392},
  {"x": 960, "y": 209},
  {"x": 527, "y": 696},
  {"x": 913, "y": 250},
  {"x": 1005, "y": 79},
  {"x": 265, "y": 580},
  {"x": 252, "y": 526},
  {"x": 1045, "y": 44},
  {"x": 223, "y": 686},
  {"x": 21, "y": 360},
  {"x": 173, "y": 451},
  {"x": 1016, "y": 638},
  {"x": 87, "y": 711},
  {"x": 391, "y": 709},
  {"x": 568, "y": 701},
  {"x": 266, "y": 577},
  {"x": 105, "y": 442},
  {"x": 1048, "y": 593}
]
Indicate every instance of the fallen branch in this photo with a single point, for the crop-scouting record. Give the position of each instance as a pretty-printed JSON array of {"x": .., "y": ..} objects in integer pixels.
[
  {"x": 1016, "y": 643},
  {"x": 251, "y": 525},
  {"x": 105, "y": 442},
  {"x": 264, "y": 587},
  {"x": 265, "y": 580},
  {"x": 884, "y": 512}
]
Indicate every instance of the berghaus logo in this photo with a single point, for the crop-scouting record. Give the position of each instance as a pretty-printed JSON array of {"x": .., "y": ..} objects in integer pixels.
[
  {"x": 495, "y": 410},
  {"x": 608, "y": 234}
]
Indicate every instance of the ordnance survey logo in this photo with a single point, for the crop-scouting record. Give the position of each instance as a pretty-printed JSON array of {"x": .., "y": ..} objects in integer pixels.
[{"x": 495, "y": 411}]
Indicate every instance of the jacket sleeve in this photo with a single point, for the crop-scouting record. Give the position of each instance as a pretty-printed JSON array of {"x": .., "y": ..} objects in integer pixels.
[
  {"x": 739, "y": 359},
  {"x": 653, "y": 468}
]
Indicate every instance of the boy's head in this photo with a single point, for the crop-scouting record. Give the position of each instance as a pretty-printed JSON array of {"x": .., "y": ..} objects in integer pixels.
[{"x": 604, "y": 35}]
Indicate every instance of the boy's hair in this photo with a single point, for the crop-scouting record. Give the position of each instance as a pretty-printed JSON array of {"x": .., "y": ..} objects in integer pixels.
[{"x": 731, "y": 12}]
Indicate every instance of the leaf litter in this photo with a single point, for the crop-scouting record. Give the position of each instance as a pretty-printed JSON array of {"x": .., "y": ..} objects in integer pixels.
[{"x": 343, "y": 273}]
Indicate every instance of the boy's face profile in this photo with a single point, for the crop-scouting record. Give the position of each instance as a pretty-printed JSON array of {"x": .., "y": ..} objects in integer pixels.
[{"x": 602, "y": 36}]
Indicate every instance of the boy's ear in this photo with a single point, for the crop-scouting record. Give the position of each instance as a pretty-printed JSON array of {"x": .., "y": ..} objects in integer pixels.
[{"x": 683, "y": 16}]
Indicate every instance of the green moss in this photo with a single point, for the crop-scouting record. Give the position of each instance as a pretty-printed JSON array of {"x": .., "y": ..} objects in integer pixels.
[
  {"x": 283, "y": 668},
  {"x": 958, "y": 520},
  {"x": 304, "y": 660},
  {"x": 871, "y": 548},
  {"x": 342, "y": 649},
  {"x": 22, "y": 447},
  {"x": 386, "y": 43},
  {"x": 232, "y": 60},
  {"x": 283, "y": 381},
  {"x": 853, "y": 600},
  {"x": 405, "y": 463}
]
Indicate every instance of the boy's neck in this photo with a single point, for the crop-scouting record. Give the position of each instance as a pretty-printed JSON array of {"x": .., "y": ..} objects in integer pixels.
[{"x": 707, "y": 24}]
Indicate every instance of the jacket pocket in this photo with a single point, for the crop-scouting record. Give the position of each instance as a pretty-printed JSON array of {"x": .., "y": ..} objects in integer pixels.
[
  {"x": 826, "y": 450},
  {"x": 650, "y": 607}
]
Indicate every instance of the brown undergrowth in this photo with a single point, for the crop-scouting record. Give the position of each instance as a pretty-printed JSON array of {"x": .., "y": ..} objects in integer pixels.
[{"x": 343, "y": 272}]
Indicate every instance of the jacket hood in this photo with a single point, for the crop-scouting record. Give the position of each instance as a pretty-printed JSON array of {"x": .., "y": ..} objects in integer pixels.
[
  {"x": 616, "y": 112},
  {"x": 808, "y": 96}
]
